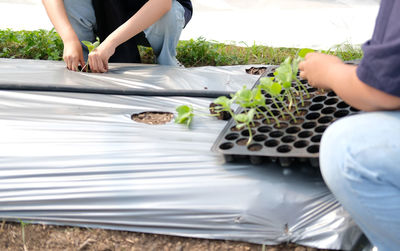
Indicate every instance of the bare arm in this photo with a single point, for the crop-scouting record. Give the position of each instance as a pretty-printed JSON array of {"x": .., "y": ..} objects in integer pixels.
[
  {"x": 73, "y": 54},
  {"x": 151, "y": 12},
  {"x": 329, "y": 72}
]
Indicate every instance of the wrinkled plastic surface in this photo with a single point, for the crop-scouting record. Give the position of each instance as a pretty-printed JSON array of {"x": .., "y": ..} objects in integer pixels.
[{"x": 79, "y": 160}]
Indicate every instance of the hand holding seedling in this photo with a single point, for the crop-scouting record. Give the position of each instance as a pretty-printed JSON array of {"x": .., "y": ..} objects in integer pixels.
[
  {"x": 91, "y": 46},
  {"x": 316, "y": 68},
  {"x": 98, "y": 58},
  {"x": 73, "y": 55}
]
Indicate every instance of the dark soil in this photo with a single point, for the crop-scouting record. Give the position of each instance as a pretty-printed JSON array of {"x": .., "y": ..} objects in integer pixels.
[
  {"x": 224, "y": 115},
  {"x": 153, "y": 118},
  {"x": 256, "y": 70},
  {"x": 45, "y": 237}
]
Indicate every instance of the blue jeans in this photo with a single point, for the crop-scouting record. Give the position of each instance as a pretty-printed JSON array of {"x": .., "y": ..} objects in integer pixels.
[
  {"x": 360, "y": 162},
  {"x": 163, "y": 35}
]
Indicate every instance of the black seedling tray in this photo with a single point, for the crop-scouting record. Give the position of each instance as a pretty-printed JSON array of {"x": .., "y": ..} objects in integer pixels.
[{"x": 293, "y": 141}]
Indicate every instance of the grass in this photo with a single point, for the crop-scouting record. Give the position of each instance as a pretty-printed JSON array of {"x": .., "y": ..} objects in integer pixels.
[{"x": 47, "y": 45}]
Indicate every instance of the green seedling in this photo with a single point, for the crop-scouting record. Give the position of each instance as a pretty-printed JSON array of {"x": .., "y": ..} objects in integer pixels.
[
  {"x": 23, "y": 224},
  {"x": 247, "y": 98},
  {"x": 224, "y": 105},
  {"x": 91, "y": 46},
  {"x": 245, "y": 119},
  {"x": 185, "y": 115}
]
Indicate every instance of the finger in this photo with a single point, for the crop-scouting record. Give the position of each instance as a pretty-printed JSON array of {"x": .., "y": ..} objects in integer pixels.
[
  {"x": 69, "y": 65},
  {"x": 93, "y": 64},
  {"x": 99, "y": 65},
  {"x": 303, "y": 75},
  {"x": 301, "y": 66},
  {"x": 75, "y": 64},
  {"x": 105, "y": 65},
  {"x": 82, "y": 62},
  {"x": 309, "y": 55}
]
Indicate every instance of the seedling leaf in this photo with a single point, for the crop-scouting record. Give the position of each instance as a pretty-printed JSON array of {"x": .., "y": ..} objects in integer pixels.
[{"x": 185, "y": 115}]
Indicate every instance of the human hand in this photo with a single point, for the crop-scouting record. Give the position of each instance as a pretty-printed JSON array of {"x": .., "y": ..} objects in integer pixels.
[
  {"x": 316, "y": 68},
  {"x": 98, "y": 58},
  {"x": 73, "y": 55}
]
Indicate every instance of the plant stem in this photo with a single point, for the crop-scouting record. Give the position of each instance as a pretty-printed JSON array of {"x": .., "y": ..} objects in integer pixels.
[
  {"x": 280, "y": 110},
  {"x": 290, "y": 114},
  {"x": 250, "y": 134},
  {"x": 303, "y": 87},
  {"x": 265, "y": 116}
]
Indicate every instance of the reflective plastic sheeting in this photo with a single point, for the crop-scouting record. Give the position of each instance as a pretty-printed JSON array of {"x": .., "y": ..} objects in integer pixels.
[{"x": 78, "y": 159}]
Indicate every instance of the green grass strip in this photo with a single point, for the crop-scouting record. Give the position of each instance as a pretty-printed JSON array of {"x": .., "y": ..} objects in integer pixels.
[{"x": 47, "y": 45}]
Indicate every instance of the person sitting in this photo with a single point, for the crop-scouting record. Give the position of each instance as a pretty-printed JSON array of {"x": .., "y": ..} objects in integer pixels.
[{"x": 360, "y": 154}]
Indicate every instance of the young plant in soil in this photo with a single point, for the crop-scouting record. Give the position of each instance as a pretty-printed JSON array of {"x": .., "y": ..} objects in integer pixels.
[
  {"x": 245, "y": 119},
  {"x": 91, "y": 46},
  {"x": 253, "y": 99}
]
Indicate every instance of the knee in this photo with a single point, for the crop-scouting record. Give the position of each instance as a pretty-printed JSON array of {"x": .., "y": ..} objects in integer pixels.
[
  {"x": 173, "y": 17},
  {"x": 334, "y": 148}
]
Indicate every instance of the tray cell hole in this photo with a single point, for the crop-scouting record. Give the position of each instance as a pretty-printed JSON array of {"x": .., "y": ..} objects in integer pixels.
[
  {"x": 309, "y": 125},
  {"x": 331, "y": 101},
  {"x": 288, "y": 139},
  {"x": 232, "y": 136},
  {"x": 282, "y": 125},
  {"x": 277, "y": 105},
  {"x": 325, "y": 119},
  {"x": 275, "y": 112},
  {"x": 284, "y": 149},
  {"x": 262, "y": 109},
  {"x": 302, "y": 112},
  {"x": 268, "y": 101},
  {"x": 276, "y": 134},
  {"x": 301, "y": 144},
  {"x": 306, "y": 104},
  {"x": 342, "y": 105},
  {"x": 313, "y": 149},
  {"x": 341, "y": 113},
  {"x": 259, "y": 137},
  {"x": 305, "y": 134},
  {"x": 293, "y": 130},
  {"x": 264, "y": 129},
  {"x": 312, "y": 116},
  {"x": 316, "y": 138},
  {"x": 226, "y": 146},
  {"x": 320, "y": 129},
  {"x": 328, "y": 110},
  {"x": 255, "y": 124},
  {"x": 271, "y": 143},
  {"x": 254, "y": 147},
  {"x": 235, "y": 129},
  {"x": 247, "y": 134},
  {"x": 298, "y": 121},
  {"x": 332, "y": 94},
  {"x": 354, "y": 109},
  {"x": 312, "y": 89},
  {"x": 319, "y": 99},
  {"x": 316, "y": 107},
  {"x": 242, "y": 141},
  {"x": 270, "y": 122}
]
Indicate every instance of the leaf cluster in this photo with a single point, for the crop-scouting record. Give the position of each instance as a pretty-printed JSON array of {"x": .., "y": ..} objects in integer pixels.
[{"x": 39, "y": 44}]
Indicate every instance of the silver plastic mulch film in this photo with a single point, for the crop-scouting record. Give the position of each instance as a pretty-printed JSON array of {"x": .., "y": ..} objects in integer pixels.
[{"x": 78, "y": 159}]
